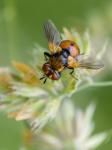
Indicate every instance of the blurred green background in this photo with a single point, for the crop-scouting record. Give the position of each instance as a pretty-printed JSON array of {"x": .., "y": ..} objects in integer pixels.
[{"x": 21, "y": 27}]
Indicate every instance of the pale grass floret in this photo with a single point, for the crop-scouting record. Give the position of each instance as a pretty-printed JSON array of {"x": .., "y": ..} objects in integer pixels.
[{"x": 73, "y": 130}]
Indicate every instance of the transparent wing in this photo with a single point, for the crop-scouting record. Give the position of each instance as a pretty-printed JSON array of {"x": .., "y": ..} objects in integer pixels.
[
  {"x": 83, "y": 62},
  {"x": 89, "y": 63},
  {"x": 52, "y": 36}
]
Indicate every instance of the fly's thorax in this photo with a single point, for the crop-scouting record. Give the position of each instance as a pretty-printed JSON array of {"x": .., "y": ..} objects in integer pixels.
[
  {"x": 57, "y": 62},
  {"x": 64, "y": 60}
]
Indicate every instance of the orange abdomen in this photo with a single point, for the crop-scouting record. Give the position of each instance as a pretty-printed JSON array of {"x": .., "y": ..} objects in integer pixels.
[{"x": 71, "y": 46}]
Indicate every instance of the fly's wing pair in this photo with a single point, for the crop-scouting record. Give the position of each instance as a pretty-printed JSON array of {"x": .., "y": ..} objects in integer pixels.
[
  {"x": 52, "y": 36},
  {"x": 84, "y": 62}
]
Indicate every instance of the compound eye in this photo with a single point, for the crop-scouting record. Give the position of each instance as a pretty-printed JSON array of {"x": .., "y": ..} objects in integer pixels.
[
  {"x": 47, "y": 69},
  {"x": 55, "y": 76}
]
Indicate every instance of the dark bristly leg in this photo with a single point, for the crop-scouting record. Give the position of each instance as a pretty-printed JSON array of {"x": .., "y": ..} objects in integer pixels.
[
  {"x": 42, "y": 78},
  {"x": 47, "y": 56},
  {"x": 71, "y": 73},
  {"x": 45, "y": 80}
]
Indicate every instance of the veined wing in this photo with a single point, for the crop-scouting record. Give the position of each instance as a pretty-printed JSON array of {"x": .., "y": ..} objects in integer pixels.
[
  {"x": 84, "y": 62},
  {"x": 52, "y": 36}
]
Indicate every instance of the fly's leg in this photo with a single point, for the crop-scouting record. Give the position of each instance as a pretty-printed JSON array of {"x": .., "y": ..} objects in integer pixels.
[
  {"x": 47, "y": 56},
  {"x": 42, "y": 78},
  {"x": 71, "y": 73},
  {"x": 45, "y": 79}
]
